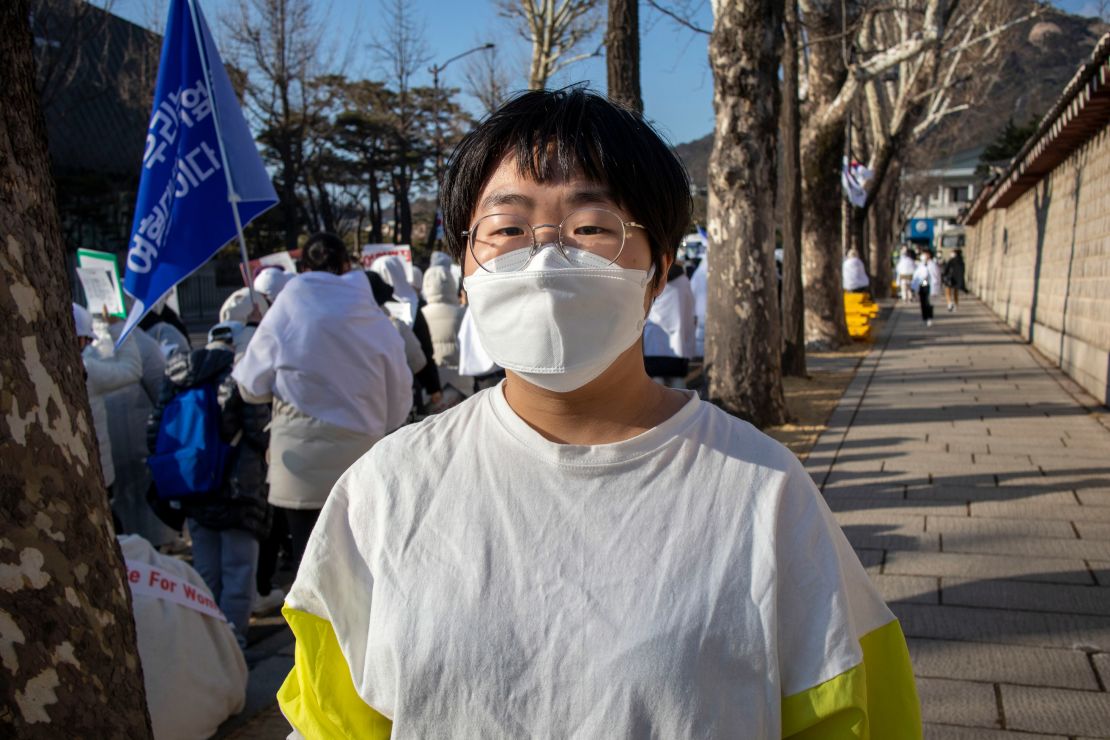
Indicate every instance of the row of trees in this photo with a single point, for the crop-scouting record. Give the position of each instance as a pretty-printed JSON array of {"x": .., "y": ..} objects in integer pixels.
[{"x": 861, "y": 79}]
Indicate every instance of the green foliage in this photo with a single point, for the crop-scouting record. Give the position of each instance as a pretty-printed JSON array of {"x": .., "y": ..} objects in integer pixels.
[{"x": 1006, "y": 144}]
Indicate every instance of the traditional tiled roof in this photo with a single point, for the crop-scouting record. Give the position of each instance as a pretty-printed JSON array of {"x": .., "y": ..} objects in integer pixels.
[{"x": 1081, "y": 112}]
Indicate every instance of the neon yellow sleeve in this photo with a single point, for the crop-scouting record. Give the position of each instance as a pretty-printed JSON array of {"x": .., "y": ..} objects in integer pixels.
[
  {"x": 875, "y": 700},
  {"x": 318, "y": 696}
]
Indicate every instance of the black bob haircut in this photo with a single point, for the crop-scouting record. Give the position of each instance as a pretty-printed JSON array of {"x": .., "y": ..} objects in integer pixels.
[{"x": 554, "y": 132}]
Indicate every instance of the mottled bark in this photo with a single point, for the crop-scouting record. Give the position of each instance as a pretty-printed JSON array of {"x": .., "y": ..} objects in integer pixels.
[
  {"x": 622, "y": 53},
  {"x": 743, "y": 334},
  {"x": 822, "y": 149},
  {"x": 793, "y": 302},
  {"x": 67, "y": 637}
]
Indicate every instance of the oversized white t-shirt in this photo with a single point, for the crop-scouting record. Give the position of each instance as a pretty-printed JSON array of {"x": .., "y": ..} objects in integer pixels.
[{"x": 483, "y": 581}]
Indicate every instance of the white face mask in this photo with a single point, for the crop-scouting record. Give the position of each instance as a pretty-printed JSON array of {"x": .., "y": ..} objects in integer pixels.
[{"x": 560, "y": 322}]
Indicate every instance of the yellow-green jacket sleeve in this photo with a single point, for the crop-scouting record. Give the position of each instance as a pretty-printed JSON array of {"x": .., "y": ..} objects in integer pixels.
[
  {"x": 874, "y": 700},
  {"x": 318, "y": 697}
]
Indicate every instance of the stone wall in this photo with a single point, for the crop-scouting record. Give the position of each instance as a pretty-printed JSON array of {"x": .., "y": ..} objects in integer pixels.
[{"x": 1043, "y": 264}]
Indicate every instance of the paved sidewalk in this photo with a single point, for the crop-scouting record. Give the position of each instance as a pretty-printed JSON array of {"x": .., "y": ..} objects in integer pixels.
[{"x": 974, "y": 481}]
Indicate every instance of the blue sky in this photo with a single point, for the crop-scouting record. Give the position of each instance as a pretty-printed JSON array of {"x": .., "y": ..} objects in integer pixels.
[{"x": 677, "y": 86}]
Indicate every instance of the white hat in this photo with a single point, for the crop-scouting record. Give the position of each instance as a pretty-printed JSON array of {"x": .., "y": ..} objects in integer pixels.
[
  {"x": 270, "y": 281},
  {"x": 83, "y": 319},
  {"x": 417, "y": 278},
  {"x": 237, "y": 307}
]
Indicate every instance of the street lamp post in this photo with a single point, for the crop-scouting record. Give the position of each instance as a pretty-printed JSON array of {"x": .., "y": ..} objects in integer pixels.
[{"x": 435, "y": 69}]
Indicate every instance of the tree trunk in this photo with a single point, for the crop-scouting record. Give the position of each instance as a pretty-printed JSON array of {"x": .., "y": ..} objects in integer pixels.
[
  {"x": 375, "y": 210},
  {"x": 67, "y": 636},
  {"x": 822, "y": 148},
  {"x": 743, "y": 334},
  {"x": 793, "y": 305},
  {"x": 622, "y": 53},
  {"x": 882, "y": 226}
]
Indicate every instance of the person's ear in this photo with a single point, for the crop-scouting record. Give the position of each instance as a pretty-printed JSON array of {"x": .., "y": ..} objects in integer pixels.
[{"x": 660, "y": 279}]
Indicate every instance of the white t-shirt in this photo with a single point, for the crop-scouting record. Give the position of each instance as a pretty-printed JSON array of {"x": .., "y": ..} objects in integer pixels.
[{"x": 485, "y": 582}]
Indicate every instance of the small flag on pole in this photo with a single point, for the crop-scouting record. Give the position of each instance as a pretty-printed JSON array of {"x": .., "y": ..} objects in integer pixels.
[
  {"x": 854, "y": 178},
  {"x": 202, "y": 178}
]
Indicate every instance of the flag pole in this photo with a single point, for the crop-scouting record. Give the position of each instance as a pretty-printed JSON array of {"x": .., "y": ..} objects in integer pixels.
[{"x": 232, "y": 196}]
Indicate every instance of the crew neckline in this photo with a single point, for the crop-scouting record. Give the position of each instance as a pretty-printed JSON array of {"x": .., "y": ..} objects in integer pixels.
[{"x": 591, "y": 455}]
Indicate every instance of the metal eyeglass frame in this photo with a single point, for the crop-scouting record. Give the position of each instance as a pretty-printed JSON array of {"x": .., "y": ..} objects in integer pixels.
[{"x": 625, "y": 225}]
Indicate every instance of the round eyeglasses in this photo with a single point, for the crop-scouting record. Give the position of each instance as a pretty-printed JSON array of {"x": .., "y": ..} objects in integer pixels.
[{"x": 505, "y": 242}]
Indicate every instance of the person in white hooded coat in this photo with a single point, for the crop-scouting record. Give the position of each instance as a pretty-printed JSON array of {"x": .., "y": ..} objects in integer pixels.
[
  {"x": 444, "y": 316},
  {"x": 335, "y": 369},
  {"x": 127, "y": 410},
  {"x": 104, "y": 374}
]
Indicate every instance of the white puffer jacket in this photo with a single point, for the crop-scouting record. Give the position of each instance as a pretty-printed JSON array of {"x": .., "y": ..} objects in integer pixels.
[
  {"x": 105, "y": 373},
  {"x": 443, "y": 314}
]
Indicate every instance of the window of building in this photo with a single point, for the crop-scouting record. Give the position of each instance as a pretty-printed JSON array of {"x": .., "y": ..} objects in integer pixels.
[{"x": 959, "y": 194}]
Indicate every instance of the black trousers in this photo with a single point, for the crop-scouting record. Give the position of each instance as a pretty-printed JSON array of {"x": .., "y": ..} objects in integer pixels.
[
  {"x": 268, "y": 553},
  {"x": 926, "y": 307},
  {"x": 301, "y": 522}
]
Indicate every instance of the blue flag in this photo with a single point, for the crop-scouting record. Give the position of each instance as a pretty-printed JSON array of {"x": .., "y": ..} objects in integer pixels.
[{"x": 200, "y": 162}]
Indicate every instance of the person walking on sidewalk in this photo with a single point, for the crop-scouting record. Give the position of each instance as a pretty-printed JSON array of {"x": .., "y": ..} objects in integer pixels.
[
  {"x": 905, "y": 270},
  {"x": 927, "y": 284},
  {"x": 953, "y": 278},
  {"x": 579, "y": 550}
]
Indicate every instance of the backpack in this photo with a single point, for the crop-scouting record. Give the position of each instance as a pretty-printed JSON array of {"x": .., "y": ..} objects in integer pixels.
[{"x": 189, "y": 457}]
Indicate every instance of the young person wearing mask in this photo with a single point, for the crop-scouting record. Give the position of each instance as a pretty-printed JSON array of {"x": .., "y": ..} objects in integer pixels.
[
  {"x": 335, "y": 369},
  {"x": 592, "y": 554}
]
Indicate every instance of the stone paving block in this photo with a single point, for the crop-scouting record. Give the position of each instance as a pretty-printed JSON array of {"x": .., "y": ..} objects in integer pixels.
[
  {"x": 1061, "y": 711},
  {"x": 1094, "y": 496},
  {"x": 888, "y": 537},
  {"x": 910, "y": 589},
  {"x": 1101, "y": 572},
  {"x": 988, "y": 526},
  {"x": 981, "y": 478},
  {"x": 1102, "y": 667},
  {"x": 1085, "y": 458},
  {"x": 1027, "y": 508},
  {"x": 840, "y": 502},
  {"x": 1026, "y": 546},
  {"x": 957, "y": 702},
  {"x": 965, "y": 565},
  {"x": 904, "y": 522},
  {"x": 861, "y": 478},
  {"x": 1029, "y": 666},
  {"x": 876, "y": 490},
  {"x": 932, "y": 463},
  {"x": 951, "y": 732},
  {"x": 1035, "y": 629},
  {"x": 1028, "y": 596},
  {"x": 1093, "y": 530},
  {"x": 986, "y": 492}
]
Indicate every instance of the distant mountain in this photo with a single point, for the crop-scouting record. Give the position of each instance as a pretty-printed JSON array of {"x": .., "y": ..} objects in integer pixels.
[
  {"x": 695, "y": 155},
  {"x": 1036, "y": 62}
]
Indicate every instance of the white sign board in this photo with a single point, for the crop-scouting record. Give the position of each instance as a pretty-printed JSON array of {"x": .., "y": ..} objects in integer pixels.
[
  {"x": 99, "y": 276},
  {"x": 284, "y": 260},
  {"x": 371, "y": 252}
]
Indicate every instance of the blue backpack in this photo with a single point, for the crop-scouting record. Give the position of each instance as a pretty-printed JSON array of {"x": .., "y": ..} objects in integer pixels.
[{"x": 189, "y": 457}]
